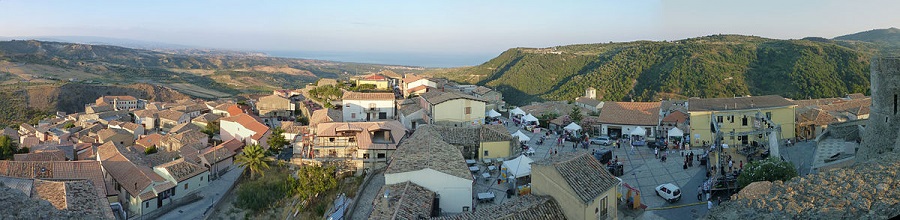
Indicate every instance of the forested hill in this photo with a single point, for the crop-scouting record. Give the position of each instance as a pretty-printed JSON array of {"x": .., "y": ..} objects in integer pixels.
[
  {"x": 711, "y": 66},
  {"x": 887, "y": 40}
]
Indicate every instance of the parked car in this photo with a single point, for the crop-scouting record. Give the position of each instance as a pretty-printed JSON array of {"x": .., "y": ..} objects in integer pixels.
[
  {"x": 638, "y": 143},
  {"x": 602, "y": 140},
  {"x": 669, "y": 192}
]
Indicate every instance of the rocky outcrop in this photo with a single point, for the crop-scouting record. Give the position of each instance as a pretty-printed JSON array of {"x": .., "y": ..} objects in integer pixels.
[{"x": 867, "y": 190}]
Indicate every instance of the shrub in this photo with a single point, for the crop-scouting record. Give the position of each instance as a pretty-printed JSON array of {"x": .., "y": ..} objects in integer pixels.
[{"x": 770, "y": 169}]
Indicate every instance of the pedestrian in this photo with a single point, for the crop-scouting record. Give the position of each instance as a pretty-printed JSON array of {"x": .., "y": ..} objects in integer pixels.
[
  {"x": 656, "y": 153},
  {"x": 708, "y": 204},
  {"x": 720, "y": 200},
  {"x": 730, "y": 164},
  {"x": 742, "y": 165},
  {"x": 700, "y": 193}
]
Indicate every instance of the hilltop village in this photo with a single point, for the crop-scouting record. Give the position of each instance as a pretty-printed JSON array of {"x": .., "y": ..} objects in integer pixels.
[{"x": 424, "y": 148}]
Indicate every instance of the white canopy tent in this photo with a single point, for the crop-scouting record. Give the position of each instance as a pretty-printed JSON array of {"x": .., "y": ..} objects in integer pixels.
[
  {"x": 639, "y": 131},
  {"x": 530, "y": 118},
  {"x": 572, "y": 127},
  {"x": 675, "y": 132},
  {"x": 517, "y": 111},
  {"x": 522, "y": 136},
  {"x": 492, "y": 113},
  {"x": 519, "y": 167}
]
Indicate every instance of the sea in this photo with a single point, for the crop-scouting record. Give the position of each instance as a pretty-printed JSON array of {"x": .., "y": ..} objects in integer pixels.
[{"x": 406, "y": 59}]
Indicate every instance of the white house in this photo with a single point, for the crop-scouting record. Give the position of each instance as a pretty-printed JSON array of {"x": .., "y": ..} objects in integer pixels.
[
  {"x": 428, "y": 161},
  {"x": 245, "y": 128},
  {"x": 368, "y": 106},
  {"x": 452, "y": 108},
  {"x": 618, "y": 118},
  {"x": 414, "y": 83},
  {"x": 411, "y": 113},
  {"x": 188, "y": 177}
]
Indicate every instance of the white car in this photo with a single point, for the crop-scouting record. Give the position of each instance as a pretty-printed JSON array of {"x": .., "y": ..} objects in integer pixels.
[
  {"x": 602, "y": 140},
  {"x": 669, "y": 192}
]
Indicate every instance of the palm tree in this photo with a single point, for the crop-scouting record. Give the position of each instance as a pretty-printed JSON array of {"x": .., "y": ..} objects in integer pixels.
[{"x": 254, "y": 157}]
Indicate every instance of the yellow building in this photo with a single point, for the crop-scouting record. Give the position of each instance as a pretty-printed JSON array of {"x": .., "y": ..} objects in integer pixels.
[
  {"x": 581, "y": 185},
  {"x": 453, "y": 109},
  {"x": 380, "y": 81},
  {"x": 485, "y": 142},
  {"x": 739, "y": 115}
]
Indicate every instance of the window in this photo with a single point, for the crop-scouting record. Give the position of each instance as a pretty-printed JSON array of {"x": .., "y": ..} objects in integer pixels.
[
  {"x": 147, "y": 205},
  {"x": 769, "y": 115},
  {"x": 744, "y": 121},
  {"x": 486, "y": 153},
  {"x": 352, "y": 115},
  {"x": 382, "y": 115},
  {"x": 895, "y": 104},
  {"x": 201, "y": 178},
  {"x": 603, "y": 207},
  {"x": 731, "y": 119},
  {"x": 381, "y": 156},
  {"x": 719, "y": 119},
  {"x": 365, "y": 156},
  {"x": 185, "y": 186},
  {"x": 468, "y": 110}
]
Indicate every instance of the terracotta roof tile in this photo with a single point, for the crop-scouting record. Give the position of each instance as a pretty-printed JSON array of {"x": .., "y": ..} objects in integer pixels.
[
  {"x": 130, "y": 176},
  {"x": 737, "y": 103},
  {"x": 588, "y": 101},
  {"x": 53, "y": 155},
  {"x": 325, "y": 115},
  {"x": 630, "y": 113},
  {"x": 56, "y": 170},
  {"x": 676, "y": 116},
  {"x": 171, "y": 115},
  {"x": 528, "y": 207},
  {"x": 249, "y": 122},
  {"x": 584, "y": 174},
  {"x": 182, "y": 170},
  {"x": 218, "y": 153},
  {"x": 438, "y": 97},
  {"x": 404, "y": 200},
  {"x": 424, "y": 149}
]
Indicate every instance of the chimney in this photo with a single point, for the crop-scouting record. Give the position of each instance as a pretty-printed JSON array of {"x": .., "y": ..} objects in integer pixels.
[{"x": 135, "y": 185}]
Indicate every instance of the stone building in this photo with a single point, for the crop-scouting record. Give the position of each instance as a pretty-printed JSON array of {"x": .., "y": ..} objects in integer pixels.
[{"x": 884, "y": 124}]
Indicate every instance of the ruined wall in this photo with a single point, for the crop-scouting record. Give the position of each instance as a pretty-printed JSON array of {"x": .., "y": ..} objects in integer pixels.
[{"x": 884, "y": 124}]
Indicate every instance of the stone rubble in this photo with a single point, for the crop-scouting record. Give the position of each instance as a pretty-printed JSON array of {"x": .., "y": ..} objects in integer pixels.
[{"x": 867, "y": 190}]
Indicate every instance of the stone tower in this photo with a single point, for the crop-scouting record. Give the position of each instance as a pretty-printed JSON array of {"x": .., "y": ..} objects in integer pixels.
[
  {"x": 883, "y": 128},
  {"x": 590, "y": 92}
]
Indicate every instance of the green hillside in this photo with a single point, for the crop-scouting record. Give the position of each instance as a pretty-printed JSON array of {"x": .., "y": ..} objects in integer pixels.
[
  {"x": 887, "y": 40},
  {"x": 712, "y": 66}
]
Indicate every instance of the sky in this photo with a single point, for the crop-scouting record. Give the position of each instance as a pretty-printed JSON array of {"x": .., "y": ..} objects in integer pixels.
[{"x": 468, "y": 32}]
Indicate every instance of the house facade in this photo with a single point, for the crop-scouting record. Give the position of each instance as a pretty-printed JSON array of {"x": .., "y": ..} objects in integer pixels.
[
  {"x": 378, "y": 80},
  {"x": 126, "y": 102},
  {"x": 368, "y": 106},
  {"x": 367, "y": 145},
  {"x": 275, "y": 106},
  {"x": 739, "y": 115},
  {"x": 244, "y": 128},
  {"x": 453, "y": 109},
  {"x": 582, "y": 186},
  {"x": 622, "y": 118}
]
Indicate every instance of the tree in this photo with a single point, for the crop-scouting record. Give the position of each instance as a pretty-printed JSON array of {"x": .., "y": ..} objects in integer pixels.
[
  {"x": 254, "y": 158},
  {"x": 211, "y": 129},
  {"x": 312, "y": 180},
  {"x": 576, "y": 114},
  {"x": 276, "y": 141},
  {"x": 150, "y": 150},
  {"x": 7, "y": 148},
  {"x": 770, "y": 169}
]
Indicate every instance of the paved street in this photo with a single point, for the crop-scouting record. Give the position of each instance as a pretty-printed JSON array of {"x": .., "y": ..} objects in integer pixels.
[
  {"x": 213, "y": 192},
  {"x": 644, "y": 171}
]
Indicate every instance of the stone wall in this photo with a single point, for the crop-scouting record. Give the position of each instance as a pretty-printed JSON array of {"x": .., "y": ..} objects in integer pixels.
[{"x": 884, "y": 124}]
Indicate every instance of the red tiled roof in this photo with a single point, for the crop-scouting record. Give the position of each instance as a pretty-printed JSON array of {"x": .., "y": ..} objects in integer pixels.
[
  {"x": 676, "y": 116},
  {"x": 630, "y": 113},
  {"x": 249, "y": 122},
  {"x": 50, "y": 170},
  {"x": 53, "y": 155},
  {"x": 131, "y": 177},
  {"x": 147, "y": 141},
  {"x": 234, "y": 110},
  {"x": 234, "y": 145},
  {"x": 375, "y": 77}
]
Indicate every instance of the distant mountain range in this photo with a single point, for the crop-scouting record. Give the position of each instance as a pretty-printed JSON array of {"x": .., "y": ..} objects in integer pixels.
[{"x": 710, "y": 66}]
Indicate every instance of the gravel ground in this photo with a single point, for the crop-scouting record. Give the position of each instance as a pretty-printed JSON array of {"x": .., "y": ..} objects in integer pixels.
[{"x": 863, "y": 191}]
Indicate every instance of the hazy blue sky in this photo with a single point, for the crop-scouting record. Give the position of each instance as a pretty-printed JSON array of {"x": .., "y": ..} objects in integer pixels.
[{"x": 435, "y": 27}]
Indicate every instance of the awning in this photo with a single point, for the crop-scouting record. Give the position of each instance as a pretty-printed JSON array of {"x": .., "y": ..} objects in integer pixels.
[
  {"x": 522, "y": 136},
  {"x": 639, "y": 131},
  {"x": 517, "y": 111},
  {"x": 675, "y": 132},
  {"x": 492, "y": 113},
  {"x": 573, "y": 127},
  {"x": 530, "y": 118},
  {"x": 519, "y": 167}
]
